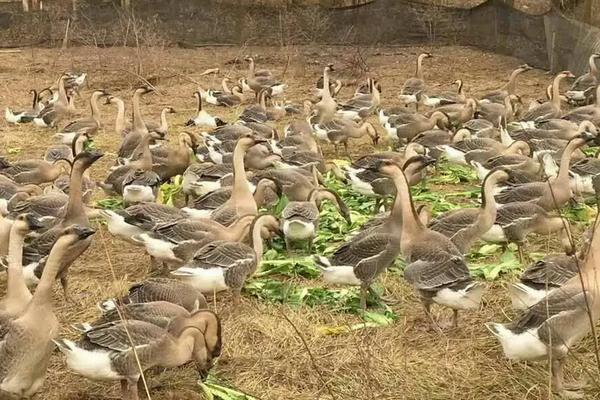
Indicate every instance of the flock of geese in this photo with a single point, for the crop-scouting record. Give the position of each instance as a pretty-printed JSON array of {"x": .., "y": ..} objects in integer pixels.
[{"x": 530, "y": 159}]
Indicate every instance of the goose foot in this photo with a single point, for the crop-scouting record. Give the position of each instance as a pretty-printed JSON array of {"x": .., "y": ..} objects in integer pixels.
[
  {"x": 452, "y": 324},
  {"x": 565, "y": 390},
  {"x": 433, "y": 325},
  {"x": 364, "y": 290}
]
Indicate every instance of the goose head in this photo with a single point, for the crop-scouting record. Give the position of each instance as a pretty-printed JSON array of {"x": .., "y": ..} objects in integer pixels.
[
  {"x": 248, "y": 140},
  {"x": 170, "y": 110},
  {"x": 74, "y": 233},
  {"x": 145, "y": 89},
  {"x": 497, "y": 175},
  {"x": 26, "y": 222},
  {"x": 87, "y": 158}
]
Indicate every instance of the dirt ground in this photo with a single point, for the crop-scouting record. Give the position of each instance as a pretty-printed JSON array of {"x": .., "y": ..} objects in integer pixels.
[{"x": 263, "y": 354}]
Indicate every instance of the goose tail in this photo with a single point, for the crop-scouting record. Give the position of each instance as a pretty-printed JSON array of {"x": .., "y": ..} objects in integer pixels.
[
  {"x": 523, "y": 296},
  {"x": 107, "y": 305},
  {"x": 64, "y": 345}
]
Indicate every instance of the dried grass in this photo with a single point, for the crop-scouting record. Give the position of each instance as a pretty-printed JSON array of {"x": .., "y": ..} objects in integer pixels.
[{"x": 263, "y": 354}]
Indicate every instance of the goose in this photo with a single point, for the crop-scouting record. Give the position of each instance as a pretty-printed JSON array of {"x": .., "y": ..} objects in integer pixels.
[
  {"x": 17, "y": 294},
  {"x": 581, "y": 173},
  {"x": 75, "y": 213},
  {"x": 495, "y": 112},
  {"x": 257, "y": 113},
  {"x": 458, "y": 113},
  {"x": 339, "y": 131},
  {"x": 159, "y": 290},
  {"x": 231, "y": 99},
  {"x": 114, "y": 182},
  {"x": 265, "y": 188},
  {"x": 203, "y": 178},
  {"x": 89, "y": 125},
  {"x": 26, "y": 346},
  {"x": 551, "y": 108},
  {"x": 370, "y": 183},
  {"x": 585, "y": 83},
  {"x": 140, "y": 186},
  {"x": 169, "y": 161},
  {"x": 384, "y": 114},
  {"x": 365, "y": 256},
  {"x": 300, "y": 219},
  {"x": 138, "y": 218},
  {"x": 415, "y": 86},
  {"x": 88, "y": 185},
  {"x": 105, "y": 352},
  {"x": 295, "y": 183},
  {"x": 162, "y": 241},
  {"x": 241, "y": 201},
  {"x": 203, "y": 118},
  {"x": 466, "y": 225},
  {"x": 407, "y": 126},
  {"x": 133, "y": 138},
  {"x": 542, "y": 276},
  {"x": 435, "y": 266},
  {"x": 482, "y": 150},
  {"x": 163, "y": 127},
  {"x": 8, "y": 190},
  {"x": 122, "y": 126},
  {"x": 481, "y": 128},
  {"x": 445, "y": 98},
  {"x": 52, "y": 114},
  {"x": 334, "y": 87},
  {"x": 20, "y": 117},
  {"x": 515, "y": 221},
  {"x": 254, "y": 83},
  {"x": 586, "y": 114},
  {"x": 549, "y": 195},
  {"x": 36, "y": 172},
  {"x": 514, "y": 159},
  {"x": 497, "y": 96},
  {"x": 550, "y": 328},
  {"x": 159, "y": 313},
  {"x": 253, "y": 72},
  {"x": 363, "y": 105},
  {"x": 225, "y": 265}
]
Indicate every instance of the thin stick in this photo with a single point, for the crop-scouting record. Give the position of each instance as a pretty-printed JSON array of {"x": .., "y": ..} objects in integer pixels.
[
  {"x": 310, "y": 355},
  {"x": 118, "y": 308}
]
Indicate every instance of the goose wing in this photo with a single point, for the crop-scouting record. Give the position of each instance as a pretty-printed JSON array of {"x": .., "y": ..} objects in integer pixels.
[
  {"x": 559, "y": 302},
  {"x": 552, "y": 270},
  {"x": 159, "y": 313},
  {"x": 214, "y": 199},
  {"x": 44, "y": 205},
  {"x": 115, "y": 336},
  {"x": 304, "y": 210},
  {"x": 141, "y": 177},
  {"x": 584, "y": 82},
  {"x": 365, "y": 244},
  {"x": 437, "y": 271},
  {"x": 80, "y": 125},
  {"x": 451, "y": 223},
  {"x": 412, "y": 86},
  {"x": 223, "y": 254},
  {"x": 586, "y": 166},
  {"x": 164, "y": 289},
  {"x": 522, "y": 193}
]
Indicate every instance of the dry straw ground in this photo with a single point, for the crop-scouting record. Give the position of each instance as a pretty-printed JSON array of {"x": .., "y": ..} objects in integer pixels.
[{"x": 263, "y": 354}]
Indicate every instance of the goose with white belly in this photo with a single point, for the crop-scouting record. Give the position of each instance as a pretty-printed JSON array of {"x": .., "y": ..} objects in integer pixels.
[
  {"x": 203, "y": 118},
  {"x": 105, "y": 352},
  {"x": 415, "y": 86},
  {"x": 553, "y": 326},
  {"x": 300, "y": 219},
  {"x": 225, "y": 265}
]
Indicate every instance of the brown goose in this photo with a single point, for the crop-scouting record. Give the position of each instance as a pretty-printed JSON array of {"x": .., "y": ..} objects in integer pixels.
[
  {"x": 583, "y": 86},
  {"x": 551, "y": 108},
  {"x": 549, "y": 195},
  {"x": 435, "y": 266},
  {"x": 300, "y": 219},
  {"x": 36, "y": 172},
  {"x": 497, "y": 96},
  {"x": 54, "y": 113},
  {"x": 541, "y": 277},
  {"x": 40, "y": 246},
  {"x": 223, "y": 265},
  {"x": 139, "y": 130},
  {"x": 159, "y": 289},
  {"x": 105, "y": 352},
  {"x": 122, "y": 126},
  {"x": 87, "y": 126},
  {"x": 17, "y": 294},
  {"x": 464, "y": 226},
  {"x": 26, "y": 346},
  {"x": 242, "y": 200},
  {"x": 415, "y": 86},
  {"x": 553, "y": 326},
  {"x": 365, "y": 256}
]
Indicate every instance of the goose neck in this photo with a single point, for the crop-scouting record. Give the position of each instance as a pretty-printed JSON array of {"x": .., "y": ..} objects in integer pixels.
[
  {"x": 120, "y": 120},
  {"x": 565, "y": 161},
  {"x": 556, "y": 90},
  {"x": 419, "y": 71},
  {"x": 239, "y": 171},
  {"x": 16, "y": 287},
  {"x": 511, "y": 85},
  {"x": 138, "y": 121},
  {"x": 75, "y": 209},
  {"x": 62, "y": 93},
  {"x": 164, "y": 125},
  {"x": 403, "y": 209},
  {"x": 94, "y": 106},
  {"x": 256, "y": 241}
]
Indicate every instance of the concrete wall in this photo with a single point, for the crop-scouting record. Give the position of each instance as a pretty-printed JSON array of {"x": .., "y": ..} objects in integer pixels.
[{"x": 544, "y": 41}]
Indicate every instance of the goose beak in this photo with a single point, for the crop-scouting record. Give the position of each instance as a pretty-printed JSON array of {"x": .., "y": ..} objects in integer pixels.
[
  {"x": 259, "y": 139},
  {"x": 84, "y": 232},
  {"x": 33, "y": 222},
  {"x": 427, "y": 160}
]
